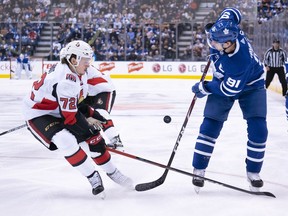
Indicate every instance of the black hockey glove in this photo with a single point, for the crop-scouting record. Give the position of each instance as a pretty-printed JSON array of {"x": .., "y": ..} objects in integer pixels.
[
  {"x": 88, "y": 111},
  {"x": 208, "y": 26},
  {"x": 99, "y": 117}
]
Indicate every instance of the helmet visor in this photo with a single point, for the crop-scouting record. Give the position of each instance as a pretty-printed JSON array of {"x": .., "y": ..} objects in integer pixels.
[
  {"x": 214, "y": 44},
  {"x": 86, "y": 61}
]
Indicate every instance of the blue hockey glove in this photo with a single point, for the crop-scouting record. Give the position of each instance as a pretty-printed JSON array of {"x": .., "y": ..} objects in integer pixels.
[{"x": 200, "y": 90}]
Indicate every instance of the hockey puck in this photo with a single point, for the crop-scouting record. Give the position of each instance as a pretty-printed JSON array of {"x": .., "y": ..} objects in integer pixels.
[{"x": 167, "y": 119}]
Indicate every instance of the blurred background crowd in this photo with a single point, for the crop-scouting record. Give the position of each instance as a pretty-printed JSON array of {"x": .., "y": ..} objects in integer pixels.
[{"x": 122, "y": 30}]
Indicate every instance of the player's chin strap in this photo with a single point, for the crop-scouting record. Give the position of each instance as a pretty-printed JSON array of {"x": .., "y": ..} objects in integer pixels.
[
  {"x": 224, "y": 49},
  {"x": 232, "y": 44},
  {"x": 74, "y": 67}
]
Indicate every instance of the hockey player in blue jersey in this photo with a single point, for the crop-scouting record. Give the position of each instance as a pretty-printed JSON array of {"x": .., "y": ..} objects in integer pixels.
[
  {"x": 23, "y": 63},
  {"x": 239, "y": 75}
]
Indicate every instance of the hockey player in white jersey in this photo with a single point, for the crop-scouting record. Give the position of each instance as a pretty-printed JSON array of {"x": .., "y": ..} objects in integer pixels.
[
  {"x": 23, "y": 63},
  {"x": 239, "y": 76},
  {"x": 101, "y": 96},
  {"x": 54, "y": 116}
]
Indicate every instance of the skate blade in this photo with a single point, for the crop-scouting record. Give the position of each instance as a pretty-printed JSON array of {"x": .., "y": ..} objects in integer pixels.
[
  {"x": 115, "y": 146},
  {"x": 197, "y": 189},
  {"x": 102, "y": 195},
  {"x": 120, "y": 148},
  {"x": 254, "y": 189},
  {"x": 130, "y": 187}
]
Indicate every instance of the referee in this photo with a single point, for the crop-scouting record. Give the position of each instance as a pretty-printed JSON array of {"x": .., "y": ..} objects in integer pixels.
[{"x": 274, "y": 60}]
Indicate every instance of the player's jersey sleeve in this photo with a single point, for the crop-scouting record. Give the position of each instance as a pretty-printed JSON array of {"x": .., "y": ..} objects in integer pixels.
[
  {"x": 40, "y": 100},
  {"x": 98, "y": 82},
  {"x": 230, "y": 85}
]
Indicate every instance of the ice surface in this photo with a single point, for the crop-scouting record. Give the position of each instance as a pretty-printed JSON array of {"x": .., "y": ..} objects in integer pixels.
[{"x": 37, "y": 182}]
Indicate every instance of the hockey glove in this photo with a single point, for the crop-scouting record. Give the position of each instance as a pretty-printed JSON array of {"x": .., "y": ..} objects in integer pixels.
[
  {"x": 98, "y": 116},
  {"x": 88, "y": 111},
  {"x": 207, "y": 27},
  {"x": 97, "y": 123},
  {"x": 200, "y": 90}
]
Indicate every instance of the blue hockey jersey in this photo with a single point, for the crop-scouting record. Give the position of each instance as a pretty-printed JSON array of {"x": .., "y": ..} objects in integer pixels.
[
  {"x": 236, "y": 72},
  {"x": 25, "y": 60}
]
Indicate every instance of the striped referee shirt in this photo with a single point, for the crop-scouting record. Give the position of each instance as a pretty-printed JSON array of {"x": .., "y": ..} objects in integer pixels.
[{"x": 275, "y": 58}]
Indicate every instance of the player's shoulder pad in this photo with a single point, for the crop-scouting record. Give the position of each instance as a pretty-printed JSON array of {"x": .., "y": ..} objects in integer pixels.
[
  {"x": 63, "y": 72},
  {"x": 232, "y": 14},
  {"x": 68, "y": 83},
  {"x": 93, "y": 72},
  {"x": 67, "y": 88}
]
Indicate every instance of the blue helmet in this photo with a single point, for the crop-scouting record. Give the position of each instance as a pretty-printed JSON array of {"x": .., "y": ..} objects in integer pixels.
[
  {"x": 223, "y": 31},
  {"x": 232, "y": 14}
]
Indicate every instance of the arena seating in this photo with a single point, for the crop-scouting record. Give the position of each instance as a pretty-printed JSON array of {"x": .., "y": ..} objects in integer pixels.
[{"x": 141, "y": 30}]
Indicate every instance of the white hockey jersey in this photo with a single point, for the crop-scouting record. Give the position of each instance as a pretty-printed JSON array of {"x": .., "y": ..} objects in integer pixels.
[
  {"x": 98, "y": 82},
  {"x": 57, "y": 92}
]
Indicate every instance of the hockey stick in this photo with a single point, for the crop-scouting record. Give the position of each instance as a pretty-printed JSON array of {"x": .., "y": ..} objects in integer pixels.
[
  {"x": 261, "y": 193},
  {"x": 158, "y": 182},
  {"x": 13, "y": 129}
]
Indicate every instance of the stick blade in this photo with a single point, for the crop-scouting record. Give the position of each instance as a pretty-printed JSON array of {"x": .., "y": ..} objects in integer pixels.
[
  {"x": 150, "y": 185},
  {"x": 265, "y": 193}
]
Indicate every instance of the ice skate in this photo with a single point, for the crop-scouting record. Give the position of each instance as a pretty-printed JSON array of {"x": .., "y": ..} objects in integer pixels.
[
  {"x": 255, "y": 182},
  {"x": 115, "y": 143},
  {"x": 197, "y": 181},
  {"x": 121, "y": 179},
  {"x": 97, "y": 185}
]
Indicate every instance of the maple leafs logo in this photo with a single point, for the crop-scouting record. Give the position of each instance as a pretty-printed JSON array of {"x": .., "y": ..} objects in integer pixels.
[{"x": 226, "y": 31}]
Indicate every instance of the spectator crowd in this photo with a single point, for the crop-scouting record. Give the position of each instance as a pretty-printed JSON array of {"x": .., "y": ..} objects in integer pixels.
[{"x": 118, "y": 30}]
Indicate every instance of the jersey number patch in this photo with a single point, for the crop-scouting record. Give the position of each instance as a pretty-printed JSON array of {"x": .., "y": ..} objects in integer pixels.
[
  {"x": 69, "y": 103},
  {"x": 233, "y": 83}
]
